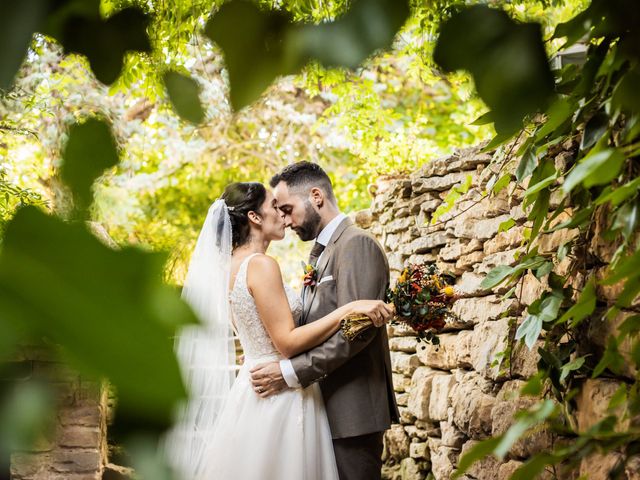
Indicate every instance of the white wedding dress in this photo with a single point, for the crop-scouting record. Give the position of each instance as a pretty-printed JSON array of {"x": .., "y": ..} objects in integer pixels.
[{"x": 283, "y": 437}]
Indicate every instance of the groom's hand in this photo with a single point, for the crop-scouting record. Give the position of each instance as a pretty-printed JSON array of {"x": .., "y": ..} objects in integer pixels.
[{"x": 267, "y": 379}]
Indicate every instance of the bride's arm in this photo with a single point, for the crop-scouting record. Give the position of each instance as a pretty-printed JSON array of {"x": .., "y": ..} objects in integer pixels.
[{"x": 265, "y": 284}]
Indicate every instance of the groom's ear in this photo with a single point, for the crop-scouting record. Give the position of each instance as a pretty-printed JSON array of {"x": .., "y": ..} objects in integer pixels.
[{"x": 317, "y": 196}]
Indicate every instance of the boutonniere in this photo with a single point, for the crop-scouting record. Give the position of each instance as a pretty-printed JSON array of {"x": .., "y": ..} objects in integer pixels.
[{"x": 310, "y": 276}]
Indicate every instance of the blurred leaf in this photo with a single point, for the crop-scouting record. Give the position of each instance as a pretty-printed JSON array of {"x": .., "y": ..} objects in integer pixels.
[
  {"x": 148, "y": 463},
  {"x": 543, "y": 269},
  {"x": 542, "y": 310},
  {"x": 629, "y": 292},
  {"x": 484, "y": 119},
  {"x": 109, "y": 309},
  {"x": 254, "y": 54},
  {"x": 183, "y": 92},
  {"x": 527, "y": 164},
  {"x": 611, "y": 359},
  {"x": 558, "y": 113},
  {"x": 26, "y": 417},
  {"x": 368, "y": 26},
  {"x": 533, "y": 386},
  {"x": 542, "y": 184},
  {"x": 577, "y": 27},
  {"x": 595, "y": 169},
  {"x": 506, "y": 225},
  {"x": 525, "y": 420},
  {"x": 626, "y": 219},
  {"x": 500, "y": 139},
  {"x": 506, "y": 59},
  {"x": 584, "y": 306},
  {"x": 631, "y": 130},
  {"x": 627, "y": 267},
  {"x": 496, "y": 276},
  {"x": 619, "y": 194},
  {"x": 105, "y": 42},
  {"x": 533, "y": 467},
  {"x": 19, "y": 19},
  {"x": 529, "y": 330},
  {"x": 595, "y": 128},
  {"x": 90, "y": 150},
  {"x": 580, "y": 219},
  {"x": 626, "y": 96},
  {"x": 630, "y": 327},
  {"x": 479, "y": 451},
  {"x": 501, "y": 183},
  {"x": 269, "y": 44},
  {"x": 567, "y": 368},
  {"x": 619, "y": 398}
]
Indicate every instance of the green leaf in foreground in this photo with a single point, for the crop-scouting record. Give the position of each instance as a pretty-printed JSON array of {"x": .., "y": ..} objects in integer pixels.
[
  {"x": 91, "y": 149},
  {"x": 558, "y": 113},
  {"x": 584, "y": 307},
  {"x": 496, "y": 276},
  {"x": 527, "y": 164},
  {"x": 105, "y": 42},
  {"x": 269, "y": 44},
  {"x": 499, "y": 446},
  {"x": 183, "y": 92},
  {"x": 26, "y": 414},
  {"x": 525, "y": 420},
  {"x": 18, "y": 22},
  {"x": 474, "y": 454},
  {"x": 533, "y": 467},
  {"x": 506, "y": 59},
  {"x": 108, "y": 309},
  {"x": 595, "y": 169},
  {"x": 567, "y": 368}
]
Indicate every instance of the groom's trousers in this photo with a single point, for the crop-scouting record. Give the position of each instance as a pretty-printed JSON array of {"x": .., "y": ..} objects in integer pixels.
[{"x": 359, "y": 458}]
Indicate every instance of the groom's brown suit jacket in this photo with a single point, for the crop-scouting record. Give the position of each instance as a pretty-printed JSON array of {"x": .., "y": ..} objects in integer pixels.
[{"x": 355, "y": 377}]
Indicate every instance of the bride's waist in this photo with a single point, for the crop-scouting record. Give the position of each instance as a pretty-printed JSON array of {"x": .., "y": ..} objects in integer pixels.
[{"x": 255, "y": 359}]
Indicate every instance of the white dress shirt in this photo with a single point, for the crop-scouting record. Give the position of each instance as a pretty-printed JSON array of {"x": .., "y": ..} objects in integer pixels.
[{"x": 288, "y": 373}]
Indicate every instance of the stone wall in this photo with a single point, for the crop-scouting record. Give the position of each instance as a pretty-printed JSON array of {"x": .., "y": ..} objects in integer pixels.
[
  {"x": 454, "y": 394},
  {"x": 76, "y": 448}
]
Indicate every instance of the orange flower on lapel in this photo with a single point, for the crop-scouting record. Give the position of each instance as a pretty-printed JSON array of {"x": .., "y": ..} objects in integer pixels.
[{"x": 310, "y": 276}]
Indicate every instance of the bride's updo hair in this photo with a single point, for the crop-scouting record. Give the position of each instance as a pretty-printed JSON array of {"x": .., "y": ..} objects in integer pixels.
[{"x": 242, "y": 198}]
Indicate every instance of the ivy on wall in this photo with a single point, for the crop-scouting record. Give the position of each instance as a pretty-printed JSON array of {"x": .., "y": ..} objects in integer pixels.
[{"x": 596, "y": 105}]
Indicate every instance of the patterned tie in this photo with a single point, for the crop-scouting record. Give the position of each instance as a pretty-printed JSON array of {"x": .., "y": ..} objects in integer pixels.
[{"x": 315, "y": 253}]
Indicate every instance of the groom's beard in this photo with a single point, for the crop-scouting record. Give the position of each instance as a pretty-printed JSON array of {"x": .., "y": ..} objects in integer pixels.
[{"x": 309, "y": 228}]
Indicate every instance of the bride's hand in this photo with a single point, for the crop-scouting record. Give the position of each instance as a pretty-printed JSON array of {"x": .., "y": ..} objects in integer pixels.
[{"x": 378, "y": 311}]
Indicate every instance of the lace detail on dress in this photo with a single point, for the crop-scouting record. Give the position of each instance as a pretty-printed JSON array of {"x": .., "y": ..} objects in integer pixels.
[{"x": 253, "y": 336}]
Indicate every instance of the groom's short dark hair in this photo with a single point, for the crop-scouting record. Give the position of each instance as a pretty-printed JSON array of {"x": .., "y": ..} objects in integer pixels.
[{"x": 304, "y": 175}]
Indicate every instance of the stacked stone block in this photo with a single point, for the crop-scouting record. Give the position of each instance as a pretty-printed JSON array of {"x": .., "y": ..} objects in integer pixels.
[{"x": 76, "y": 448}]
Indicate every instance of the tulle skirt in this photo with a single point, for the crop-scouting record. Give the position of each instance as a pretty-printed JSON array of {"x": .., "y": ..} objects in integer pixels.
[{"x": 284, "y": 437}]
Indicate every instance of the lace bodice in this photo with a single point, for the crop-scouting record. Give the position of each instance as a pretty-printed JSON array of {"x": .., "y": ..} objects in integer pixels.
[{"x": 254, "y": 338}]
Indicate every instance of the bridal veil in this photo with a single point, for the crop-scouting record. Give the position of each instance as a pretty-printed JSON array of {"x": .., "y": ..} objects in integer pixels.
[{"x": 206, "y": 352}]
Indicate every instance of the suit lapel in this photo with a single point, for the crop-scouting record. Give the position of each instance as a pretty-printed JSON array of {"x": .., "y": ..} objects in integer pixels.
[{"x": 309, "y": 295}]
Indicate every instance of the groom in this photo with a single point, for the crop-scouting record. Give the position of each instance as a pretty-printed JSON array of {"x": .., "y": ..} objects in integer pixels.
[{"x": 355, "y": 377}]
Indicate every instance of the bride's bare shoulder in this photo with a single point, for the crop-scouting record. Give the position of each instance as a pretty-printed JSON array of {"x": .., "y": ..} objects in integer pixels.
[{"x": 264, "y": 266}]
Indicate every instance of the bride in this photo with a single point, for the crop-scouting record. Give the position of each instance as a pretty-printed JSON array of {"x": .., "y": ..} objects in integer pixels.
[{"x": 226, "y": 431}]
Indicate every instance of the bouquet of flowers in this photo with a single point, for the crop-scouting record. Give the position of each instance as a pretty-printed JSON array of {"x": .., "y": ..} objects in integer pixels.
[{"x": 422, "y": 298}]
